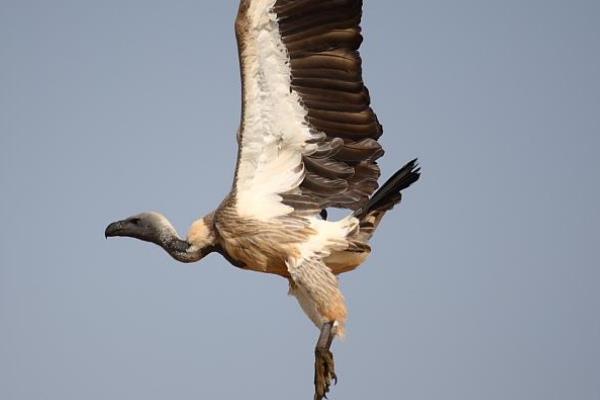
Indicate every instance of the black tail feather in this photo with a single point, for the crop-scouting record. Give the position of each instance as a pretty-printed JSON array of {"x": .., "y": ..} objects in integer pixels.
[{"x": 389, "y": 193}]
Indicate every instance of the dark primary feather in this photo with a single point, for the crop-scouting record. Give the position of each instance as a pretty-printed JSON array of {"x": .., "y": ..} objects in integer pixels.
[{"x": 322, "y": 38}]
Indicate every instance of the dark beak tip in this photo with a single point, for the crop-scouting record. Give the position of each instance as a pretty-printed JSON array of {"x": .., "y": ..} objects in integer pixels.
[{"x": 112, "y": 229}]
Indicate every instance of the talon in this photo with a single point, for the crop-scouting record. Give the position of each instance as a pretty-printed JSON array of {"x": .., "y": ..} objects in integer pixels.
[
  {"x": 324, "y": 364},
  {"x": 324, "y": 373}
]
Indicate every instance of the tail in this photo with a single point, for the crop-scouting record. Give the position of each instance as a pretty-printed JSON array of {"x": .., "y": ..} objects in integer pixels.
[
  {"x": 372, "y": 212},
  {"x": 389, "y": 194}
]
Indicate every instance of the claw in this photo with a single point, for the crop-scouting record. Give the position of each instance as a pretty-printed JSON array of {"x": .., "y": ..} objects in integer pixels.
[
  {"x": 324, "y": 373},
  {"x": 324, "y": 365}
]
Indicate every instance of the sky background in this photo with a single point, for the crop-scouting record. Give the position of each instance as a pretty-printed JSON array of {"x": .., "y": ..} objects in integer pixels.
[{"x": 483, "y": 284}]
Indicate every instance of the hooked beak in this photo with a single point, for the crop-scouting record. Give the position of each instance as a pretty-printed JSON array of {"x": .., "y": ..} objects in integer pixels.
[{"x": 114, "y": 229}]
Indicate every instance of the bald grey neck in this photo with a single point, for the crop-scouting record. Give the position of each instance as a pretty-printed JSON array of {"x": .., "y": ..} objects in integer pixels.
[
  {"x": 166, "y": 237},
  {"x": 180, "y": 249}
]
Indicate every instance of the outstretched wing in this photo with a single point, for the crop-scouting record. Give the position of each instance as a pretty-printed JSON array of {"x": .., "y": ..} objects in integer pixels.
[{"x": 308, "y": 137}]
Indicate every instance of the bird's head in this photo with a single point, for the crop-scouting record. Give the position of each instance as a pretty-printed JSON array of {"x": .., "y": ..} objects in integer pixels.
[
  {"x": 155, "y": 228},
  {"x": 149, "y": 226}
]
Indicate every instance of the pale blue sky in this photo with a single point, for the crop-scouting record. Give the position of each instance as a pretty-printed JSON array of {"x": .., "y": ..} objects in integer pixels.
[{"x": 482, "y": 285}]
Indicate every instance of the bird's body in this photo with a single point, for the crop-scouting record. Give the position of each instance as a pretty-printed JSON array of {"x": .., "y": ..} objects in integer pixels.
[{"x": 307, "y": 142}]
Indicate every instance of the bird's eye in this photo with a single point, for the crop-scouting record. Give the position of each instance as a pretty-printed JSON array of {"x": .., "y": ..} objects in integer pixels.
[{"x": 135, "y": 221}]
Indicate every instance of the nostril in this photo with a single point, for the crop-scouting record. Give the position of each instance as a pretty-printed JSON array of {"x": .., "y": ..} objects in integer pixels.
[{"x": 135, "y": 221}]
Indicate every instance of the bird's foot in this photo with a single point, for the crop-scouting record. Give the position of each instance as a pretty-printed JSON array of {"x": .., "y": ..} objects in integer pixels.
[{"x": 324, "y": 372}]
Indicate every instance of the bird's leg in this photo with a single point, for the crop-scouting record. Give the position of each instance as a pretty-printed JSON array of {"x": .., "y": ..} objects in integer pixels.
[{"x": 324, "y": 366}]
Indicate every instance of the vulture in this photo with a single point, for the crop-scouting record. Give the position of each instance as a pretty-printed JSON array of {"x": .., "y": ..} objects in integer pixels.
[{"x": 307, "y": 142}]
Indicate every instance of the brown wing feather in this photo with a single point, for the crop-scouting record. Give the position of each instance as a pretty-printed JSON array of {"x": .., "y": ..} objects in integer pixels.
[{"x": 322, "y": 38}]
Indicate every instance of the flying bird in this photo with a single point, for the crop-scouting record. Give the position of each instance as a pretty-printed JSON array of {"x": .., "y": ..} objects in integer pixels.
[{"x": 307, "y": 142}]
